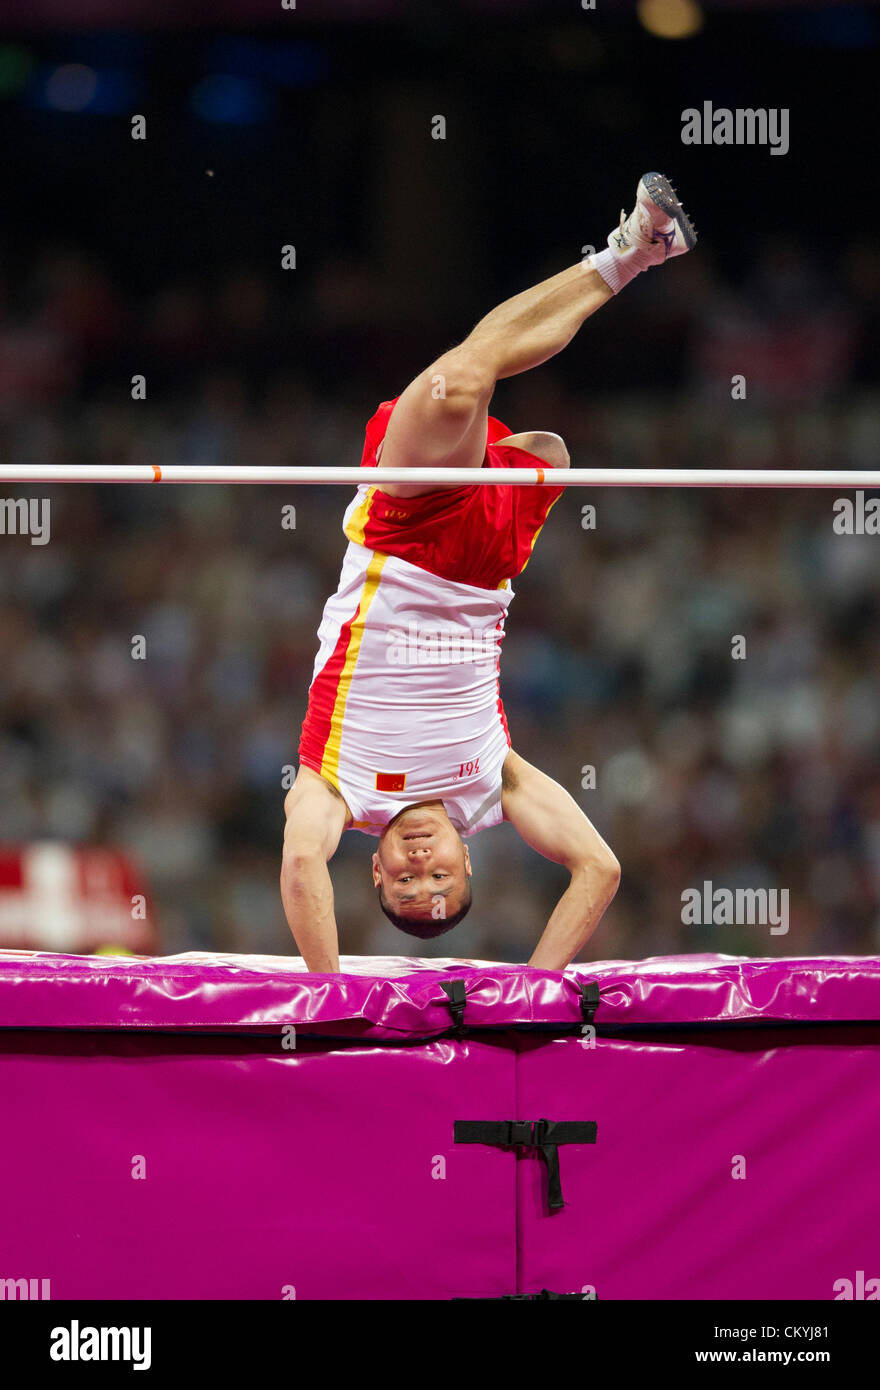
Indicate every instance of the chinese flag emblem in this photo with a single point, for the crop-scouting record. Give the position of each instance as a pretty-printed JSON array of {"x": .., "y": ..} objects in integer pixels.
[{"x": 390, "y": 781}]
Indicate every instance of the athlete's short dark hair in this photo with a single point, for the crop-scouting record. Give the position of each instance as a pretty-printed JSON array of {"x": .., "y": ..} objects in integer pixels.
[{"x": 417, "y": 926}]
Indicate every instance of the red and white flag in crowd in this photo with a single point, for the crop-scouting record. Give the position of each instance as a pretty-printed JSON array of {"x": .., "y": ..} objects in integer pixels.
[{"x": 73, "y": 899}]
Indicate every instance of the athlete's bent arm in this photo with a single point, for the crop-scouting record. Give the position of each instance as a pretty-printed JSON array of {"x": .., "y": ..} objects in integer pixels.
[
  {"x": 316, "y": 817},
  {"x": 551, "y": 822}
]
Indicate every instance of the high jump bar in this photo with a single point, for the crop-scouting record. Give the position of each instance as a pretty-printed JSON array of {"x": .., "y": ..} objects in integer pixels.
[{"x": 440, "y": 477}]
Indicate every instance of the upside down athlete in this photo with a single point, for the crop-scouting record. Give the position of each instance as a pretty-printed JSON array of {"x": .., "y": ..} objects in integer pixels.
[{"x": 404, "y": 743}]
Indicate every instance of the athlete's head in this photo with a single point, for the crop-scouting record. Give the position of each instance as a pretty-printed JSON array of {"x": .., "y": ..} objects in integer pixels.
[{"x": 422, "y": 871}]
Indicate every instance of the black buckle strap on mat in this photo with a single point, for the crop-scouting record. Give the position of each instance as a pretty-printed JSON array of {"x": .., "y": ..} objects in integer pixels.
[
  {"x": 589, "y": 1000},
  {"x": 455, "y": 991},
  {"x": 543, "y": 1135}
]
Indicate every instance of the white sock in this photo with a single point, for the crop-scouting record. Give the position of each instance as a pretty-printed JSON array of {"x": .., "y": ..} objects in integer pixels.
[{"x": 616, "y": 270}]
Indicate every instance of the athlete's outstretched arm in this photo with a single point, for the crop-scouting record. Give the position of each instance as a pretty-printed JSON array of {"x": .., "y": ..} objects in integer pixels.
[
  {"x": 551, "y": 822},
  {"x": 316, "y": 818}
]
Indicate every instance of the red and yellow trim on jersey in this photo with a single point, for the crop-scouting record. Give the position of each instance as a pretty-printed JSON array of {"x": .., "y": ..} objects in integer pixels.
[
  {"x": 357, "y": 526},
  {"x": 322, "y": 731}
]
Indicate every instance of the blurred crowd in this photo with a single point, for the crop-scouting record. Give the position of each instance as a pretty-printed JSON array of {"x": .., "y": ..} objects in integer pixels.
[{"x": 762, "y": 770}]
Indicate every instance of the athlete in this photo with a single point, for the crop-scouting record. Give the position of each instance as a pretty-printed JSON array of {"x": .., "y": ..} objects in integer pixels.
[{"x": 405, "y": 736}]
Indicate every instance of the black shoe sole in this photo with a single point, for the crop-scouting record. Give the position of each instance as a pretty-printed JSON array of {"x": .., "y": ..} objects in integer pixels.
[{"x": 662, "y": 193}]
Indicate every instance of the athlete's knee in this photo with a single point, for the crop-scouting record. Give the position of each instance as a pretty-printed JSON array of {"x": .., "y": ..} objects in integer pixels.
[
  {"x": 544, "y": 445},
  {"x": 461, "y": 379}
]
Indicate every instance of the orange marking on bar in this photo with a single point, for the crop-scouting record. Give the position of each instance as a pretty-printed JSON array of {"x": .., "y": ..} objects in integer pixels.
[
  {"x": 157, "y": 473},
  {"x": 540, "y": 475}
]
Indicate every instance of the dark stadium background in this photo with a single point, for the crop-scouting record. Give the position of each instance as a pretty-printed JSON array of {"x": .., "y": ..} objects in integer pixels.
[{"x": 312, "y": 127}]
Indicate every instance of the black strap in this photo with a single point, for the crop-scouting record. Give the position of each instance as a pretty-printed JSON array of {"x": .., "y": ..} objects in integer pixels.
[
  {"x": 543, "y": 1135},
  {"x": 457, "y": 997},
  {"x": 589, "y": 1000},
  {"x": 504, "y": 1132},
  {"x": 561, "y": 1297}
]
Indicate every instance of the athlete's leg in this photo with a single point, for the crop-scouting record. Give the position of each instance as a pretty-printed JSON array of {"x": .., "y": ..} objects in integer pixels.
[{"x": 440, "y": 418}]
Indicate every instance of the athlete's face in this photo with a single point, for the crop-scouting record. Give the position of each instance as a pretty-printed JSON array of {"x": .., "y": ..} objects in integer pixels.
[{"x": 422, "y": 865}]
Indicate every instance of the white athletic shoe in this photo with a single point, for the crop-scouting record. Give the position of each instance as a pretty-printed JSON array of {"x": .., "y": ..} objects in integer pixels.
[{"x": 658, "y": 226}]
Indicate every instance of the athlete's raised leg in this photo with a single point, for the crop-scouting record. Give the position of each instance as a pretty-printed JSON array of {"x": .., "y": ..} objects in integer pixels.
[{"x": 440, "y": 419}]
